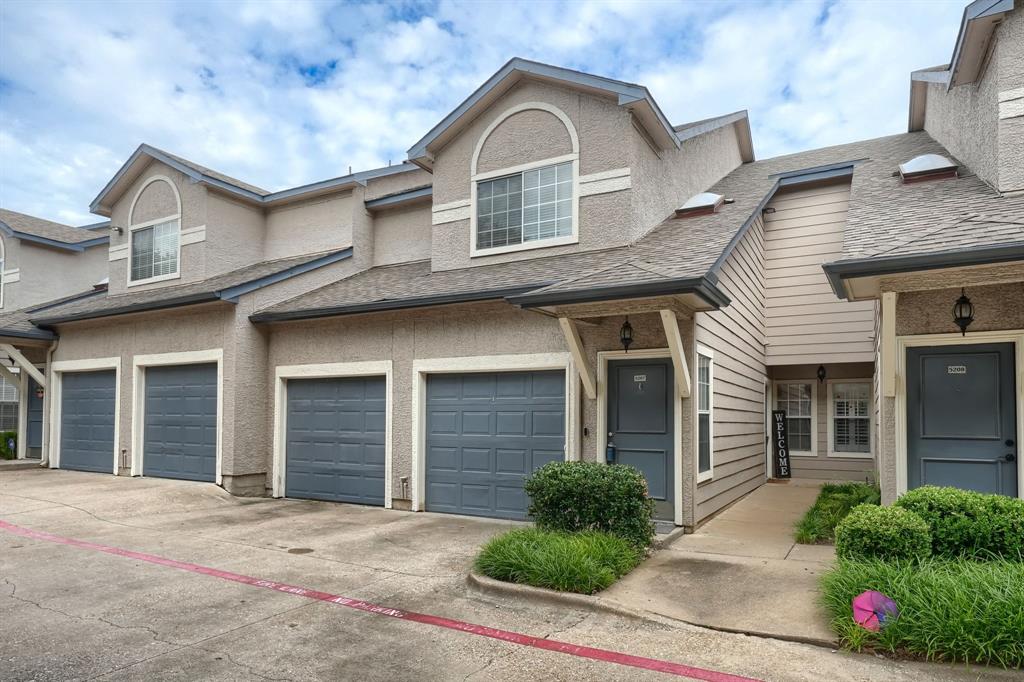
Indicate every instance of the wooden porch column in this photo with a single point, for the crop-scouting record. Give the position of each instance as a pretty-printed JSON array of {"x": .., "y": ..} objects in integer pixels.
[
  {"x": 572, "y": 339},
  {"x": 675, "y": 347},
  {"x": 888, "y": 344},
  {"x": 25, "y": 365}
]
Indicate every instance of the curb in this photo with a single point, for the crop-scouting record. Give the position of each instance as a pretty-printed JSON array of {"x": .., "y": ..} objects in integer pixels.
[
  {"x": 19, "y": 464},
  {"x": 487, "y": 585}
]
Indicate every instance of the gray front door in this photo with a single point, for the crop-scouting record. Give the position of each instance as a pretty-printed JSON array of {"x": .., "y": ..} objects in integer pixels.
[
  {"x": 35, "y": 420},
  {"x": 485, "y": 434},
  {"x": 335, "y": 442},
  {"x": 87, "y": 421},
  {"x": 640, "y": 424},
  {"x": 961, "y": 417},
  {"x": 180, "y": 439}
]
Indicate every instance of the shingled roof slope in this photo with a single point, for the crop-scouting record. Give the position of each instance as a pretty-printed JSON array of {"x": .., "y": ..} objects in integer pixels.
[{"x": 47, "y": 229}]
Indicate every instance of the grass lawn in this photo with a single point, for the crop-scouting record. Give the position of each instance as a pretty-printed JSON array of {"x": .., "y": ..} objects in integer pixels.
[
  {"x": 568, "y": 562},
  {"x": 950, "y": 609},
  {"x": 818, "y": 525}
]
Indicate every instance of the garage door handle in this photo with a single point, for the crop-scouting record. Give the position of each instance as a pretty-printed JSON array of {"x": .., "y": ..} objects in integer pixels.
[{"x": 1010, "y": 457}]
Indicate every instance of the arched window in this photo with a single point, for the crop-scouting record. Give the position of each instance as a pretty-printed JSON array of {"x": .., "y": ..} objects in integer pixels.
[{"x": 154, "y": 234}]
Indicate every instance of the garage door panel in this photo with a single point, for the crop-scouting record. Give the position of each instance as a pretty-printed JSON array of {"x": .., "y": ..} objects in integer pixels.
[
  {"x": 335, "y": 447},
  {"x": 485, "y": 434},
  {"x": 87, "y": 421},
  {"x": 180, "y": 439}
]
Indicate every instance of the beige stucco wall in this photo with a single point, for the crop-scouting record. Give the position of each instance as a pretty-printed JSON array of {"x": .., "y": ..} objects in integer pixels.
[
  {"x": 1010, "y": 47},
  {"x": 525, "y": 137},
  {"x": 157, "y": 200},
  {"x": 402, "y": 234},
  {"x": 37, "y": 265},
  {"x": 320, "y": 224},
  {"x": 234, "y": 235},
  {"x": 399, "y": 182}
]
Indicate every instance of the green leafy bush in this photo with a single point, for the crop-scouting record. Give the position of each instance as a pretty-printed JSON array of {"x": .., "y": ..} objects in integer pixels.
[
  {"x": 834, "y": 502},
  {"x": 869, "y": 531},
  {"x": 579, "y": 562},
  {"x": 966, "y": 523},
  {"x": 6, "y": 452},
  {"x": 956, "y": 609},
  {"x": 585, "y": 496}
]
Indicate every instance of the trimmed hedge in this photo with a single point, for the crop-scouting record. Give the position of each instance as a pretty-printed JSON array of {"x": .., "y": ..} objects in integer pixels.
[
  {"x": 969, "y": 524},
  {"x": 870, "y": 531},
  {"x": 588, "y": 496}
]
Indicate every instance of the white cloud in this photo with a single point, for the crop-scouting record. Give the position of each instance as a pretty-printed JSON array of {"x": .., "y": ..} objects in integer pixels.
[{"x": 284, "y": 93}]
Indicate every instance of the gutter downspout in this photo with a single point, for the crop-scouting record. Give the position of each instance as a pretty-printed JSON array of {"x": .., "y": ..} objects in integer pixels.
[{"x": 44, "y": 462}]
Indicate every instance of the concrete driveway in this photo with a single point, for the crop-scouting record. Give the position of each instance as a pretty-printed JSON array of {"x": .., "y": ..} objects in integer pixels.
[{"x": 69, "y": 612}]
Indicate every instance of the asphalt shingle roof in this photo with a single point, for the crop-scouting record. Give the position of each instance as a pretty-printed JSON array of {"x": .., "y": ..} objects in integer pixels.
[
  {"x": 214, "y": 174},
  {"x": 47, "y": 229}
]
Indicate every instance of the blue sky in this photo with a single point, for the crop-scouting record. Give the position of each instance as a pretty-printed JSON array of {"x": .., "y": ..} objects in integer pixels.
[{"x": 284, "y": 93}]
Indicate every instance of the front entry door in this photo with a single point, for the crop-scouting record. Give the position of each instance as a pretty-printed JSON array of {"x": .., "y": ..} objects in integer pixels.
[
  {"x": 640, "y": 424},
  {"x": 961, "y": 417}
]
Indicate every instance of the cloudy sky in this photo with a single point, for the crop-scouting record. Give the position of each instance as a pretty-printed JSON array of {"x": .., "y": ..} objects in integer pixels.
[{"x": 284, "y": 93}]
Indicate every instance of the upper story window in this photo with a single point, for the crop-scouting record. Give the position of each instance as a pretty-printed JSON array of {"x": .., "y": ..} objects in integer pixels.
[
  {"x": 154, "y": 235},
  {"x": 530, "y": 206}
]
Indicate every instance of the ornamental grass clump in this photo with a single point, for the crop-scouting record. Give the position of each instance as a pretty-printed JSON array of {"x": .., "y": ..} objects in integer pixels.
[{"x": 834, "y": 502}]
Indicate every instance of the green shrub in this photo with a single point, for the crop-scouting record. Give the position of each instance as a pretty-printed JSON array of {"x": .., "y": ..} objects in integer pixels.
[
  {"x": 869, "y": 531},
  {"x": 581, "y": 562},
  {"x": 834, "y": 502},
  {"x": 949, "y": 609},
  {"x": 584, "y": 496},
  {"x": 966, "y": 523},
  {"x": 6, "y": 452}
]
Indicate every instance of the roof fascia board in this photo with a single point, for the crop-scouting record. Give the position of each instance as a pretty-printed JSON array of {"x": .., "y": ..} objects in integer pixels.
[
  {"x": 232, "y": 294},
  {"x": 400, "y": 198},
  {"x": 40, "y": 335},
  {"x": 816, "y": 176},
  {"x": 979, "y": 9},
  {"x": 394, "y": 304},
  {"x": 838, "y": 271},
  {"x": 703, "y": 287}
]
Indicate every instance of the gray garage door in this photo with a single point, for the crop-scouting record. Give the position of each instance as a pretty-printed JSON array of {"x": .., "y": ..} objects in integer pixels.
[
  {"x": 485, "y": 434},
  {"x": 87, "y": 421},
  {"x": 180, "y": 437},
  {"x": 335, "y": 441}
]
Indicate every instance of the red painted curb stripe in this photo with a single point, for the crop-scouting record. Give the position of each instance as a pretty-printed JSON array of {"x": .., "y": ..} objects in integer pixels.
[{"x": 438, "y": 621}]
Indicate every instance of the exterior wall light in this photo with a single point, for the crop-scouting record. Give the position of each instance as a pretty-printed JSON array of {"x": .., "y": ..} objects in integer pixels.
[
  {"x": 963, "y": 312},
  {"x": 821, "y": 374},
  {"x": 39, "y": 392},
  {"x": 626, "y": 335}
]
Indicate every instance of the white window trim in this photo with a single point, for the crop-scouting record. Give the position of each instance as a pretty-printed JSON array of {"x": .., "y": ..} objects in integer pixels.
[
  {"x": 814, "y": 413},
  {"x": 871, "y": 420},
  {"x": 421, "y": 369},
  {"x": 139, "y": 365},
  {"x": 677, "y": 415},
  {"x": 149, "y": 223},
  {"x": 476, "y": 177},
  {"x": 284, "y": 373},
  {"x": 710, "y": 355},
  {"x": 53, "y": 391}
]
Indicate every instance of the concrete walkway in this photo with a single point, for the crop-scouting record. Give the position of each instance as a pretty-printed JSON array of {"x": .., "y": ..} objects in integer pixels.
[{"x": 739, "y": 572}]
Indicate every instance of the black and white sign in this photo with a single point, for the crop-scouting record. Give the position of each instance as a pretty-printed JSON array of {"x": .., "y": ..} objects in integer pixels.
[{"x": 780, "y": 444}]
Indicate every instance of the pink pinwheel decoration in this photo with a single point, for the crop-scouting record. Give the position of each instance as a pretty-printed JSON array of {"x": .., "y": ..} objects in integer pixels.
[{"x": 873, "y": 610}]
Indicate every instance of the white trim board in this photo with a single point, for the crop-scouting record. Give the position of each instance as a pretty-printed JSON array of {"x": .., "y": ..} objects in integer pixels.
[
  {"x": 57, "y": 371},
  {"x": 699, "y": 351},
  {"x": 486, "y": 363},
  {"x": 830, "y": 425},
  {"x": 677, "y": 417},
  {"x": 139, "y": 365},
  {"x": 283, "y": 373},
  {"x": 1015, "y": 336}
]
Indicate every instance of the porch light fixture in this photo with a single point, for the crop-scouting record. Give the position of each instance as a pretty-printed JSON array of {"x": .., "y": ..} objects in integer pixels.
[
  {"x": 626, "y": 335},
  {"x": 39, "y": 392},
  {"x": 821, "y": 374},
  {"x": 963, "y": 312}
]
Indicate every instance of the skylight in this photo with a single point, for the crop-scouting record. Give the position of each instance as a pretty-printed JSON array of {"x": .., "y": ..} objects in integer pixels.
[
  {"x": 699, "y": 204},
  {"x": 927, "y": 166}
]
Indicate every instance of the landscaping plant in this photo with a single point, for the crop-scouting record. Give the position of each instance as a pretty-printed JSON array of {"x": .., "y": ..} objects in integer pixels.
[
  {"x": 950, "y": 609},
  {"x": 870, "y": 532},
  {"x": 585, "y": 562},
  {"x": 589, "y": 496},
  {"x": 834, "y": 502},
  {"x": 6, "y": 452},
  {"x": 970, "y": 524}
]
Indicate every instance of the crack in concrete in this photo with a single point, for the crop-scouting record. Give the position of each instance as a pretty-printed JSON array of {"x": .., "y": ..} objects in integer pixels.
[
  {"x": 247, "y": 668},
  {"x": 491, "y": 661}
]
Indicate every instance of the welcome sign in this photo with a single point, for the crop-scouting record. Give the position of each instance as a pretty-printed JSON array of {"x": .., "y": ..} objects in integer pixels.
[{"x": 780, "y": 440}]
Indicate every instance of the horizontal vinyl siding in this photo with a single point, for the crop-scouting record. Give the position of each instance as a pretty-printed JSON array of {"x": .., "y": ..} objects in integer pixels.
[
  {"x": 805, "y": 321},
  {"x": 736, "y": 335}
]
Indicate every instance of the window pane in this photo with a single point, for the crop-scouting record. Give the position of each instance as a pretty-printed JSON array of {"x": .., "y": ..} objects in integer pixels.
[
  {"x": 529, "y": 206},
  {"x": 154, "y": 251},
  {"x": 851, "y": 419},
  {"x": 704, "y": 443}
]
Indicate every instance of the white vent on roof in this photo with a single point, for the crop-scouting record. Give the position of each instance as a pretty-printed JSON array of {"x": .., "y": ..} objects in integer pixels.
[
  {"x": 699, "y": 204},
  {"x": 927, "y": 166}
]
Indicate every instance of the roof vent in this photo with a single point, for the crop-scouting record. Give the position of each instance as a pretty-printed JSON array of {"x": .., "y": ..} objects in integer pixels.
[
  {"x": 927, "y": 167},
  {"x": 700, "y": 204}
]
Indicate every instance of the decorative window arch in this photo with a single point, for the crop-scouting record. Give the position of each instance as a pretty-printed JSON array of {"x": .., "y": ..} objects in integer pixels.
[
  {"x": 529, "y": 206},
  {"x": 154, "y": 246}
]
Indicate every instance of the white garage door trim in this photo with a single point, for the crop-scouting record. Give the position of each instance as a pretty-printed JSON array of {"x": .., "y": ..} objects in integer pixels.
[
  {"x": 139, "y": 365},
  {"x": 57, "y": 370},
  {"x": 486, "y": 363},
  {"x": 333, "y": 370}
]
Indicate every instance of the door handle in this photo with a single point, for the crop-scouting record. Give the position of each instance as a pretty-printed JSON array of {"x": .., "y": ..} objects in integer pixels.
[{"x": 1009, "y": 457}]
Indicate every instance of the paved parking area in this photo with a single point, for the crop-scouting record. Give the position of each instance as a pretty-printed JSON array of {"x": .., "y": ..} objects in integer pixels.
[{"x": 74, "y": 613}]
